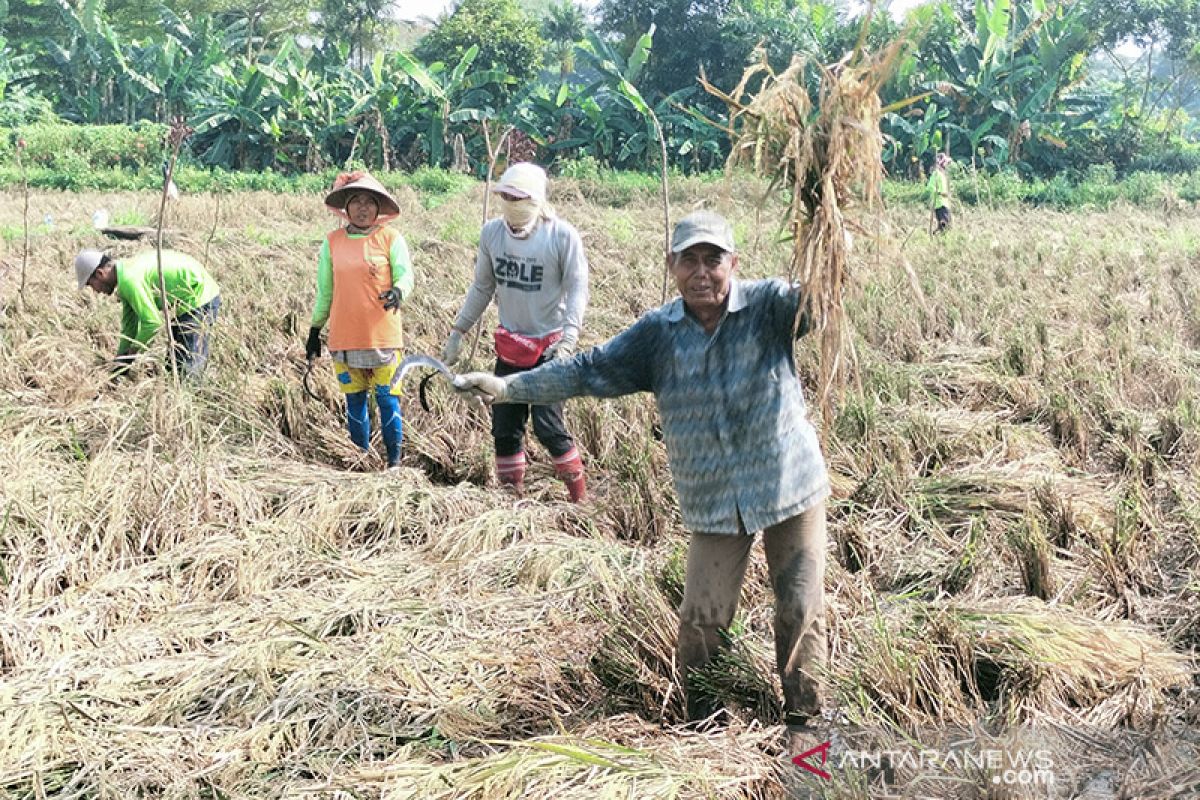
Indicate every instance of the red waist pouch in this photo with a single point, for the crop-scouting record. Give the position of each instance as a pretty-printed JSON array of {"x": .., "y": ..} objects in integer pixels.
[{"x": 520, "y": 350}]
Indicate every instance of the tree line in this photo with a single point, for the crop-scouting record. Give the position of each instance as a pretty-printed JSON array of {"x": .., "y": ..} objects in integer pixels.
[{"x": 1035, "y": 86}]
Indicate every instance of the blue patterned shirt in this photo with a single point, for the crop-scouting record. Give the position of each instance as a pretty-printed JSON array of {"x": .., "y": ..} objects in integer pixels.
[{"x": 733, "y": 415}]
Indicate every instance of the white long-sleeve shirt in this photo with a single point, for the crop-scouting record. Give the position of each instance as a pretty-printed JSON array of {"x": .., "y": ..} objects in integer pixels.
[{"x": 540, "y": 282}]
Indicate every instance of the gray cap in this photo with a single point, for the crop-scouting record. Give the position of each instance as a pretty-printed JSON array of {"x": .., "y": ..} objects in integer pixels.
[
  {"x": 85, "y": 264},
  {"x": 702, "y": 227}
]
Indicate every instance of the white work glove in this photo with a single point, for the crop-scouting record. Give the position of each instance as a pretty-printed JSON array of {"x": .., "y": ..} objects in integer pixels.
[
  {"x": 482, "y": 385},
  {"x": 453, "y": 348},
  {"x": 564, "y": 348}
]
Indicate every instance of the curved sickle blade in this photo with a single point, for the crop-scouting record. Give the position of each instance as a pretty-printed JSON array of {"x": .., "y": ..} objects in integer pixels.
[
  {"x": 419, "y": 360},
  {"x": 307, "y": 386},
  {"x": 422, "y": 387}
]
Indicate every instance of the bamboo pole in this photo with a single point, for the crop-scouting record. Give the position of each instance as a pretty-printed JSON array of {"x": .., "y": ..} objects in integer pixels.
[
  {"x": 492, "y": 155},
  {"x": 179, "y": 131},
  {"x": 24, "y": 220},
  {"x": 212, "y": 233},
  {"x": 666, "y": 202}
]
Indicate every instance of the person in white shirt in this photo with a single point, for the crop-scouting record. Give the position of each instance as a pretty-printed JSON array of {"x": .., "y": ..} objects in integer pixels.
[{"x": 532, "y": 262}]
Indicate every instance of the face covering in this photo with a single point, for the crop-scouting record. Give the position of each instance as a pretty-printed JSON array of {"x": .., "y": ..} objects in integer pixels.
[{"x": 520, "y": 214}]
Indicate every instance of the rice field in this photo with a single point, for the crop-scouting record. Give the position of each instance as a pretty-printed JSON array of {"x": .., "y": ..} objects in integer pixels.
[{"x": 206, "y": 593}]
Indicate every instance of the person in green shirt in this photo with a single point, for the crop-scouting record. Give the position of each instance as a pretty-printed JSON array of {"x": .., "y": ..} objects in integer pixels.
[
  {"x": 192, "y": 294},
  {"x": 938, "y": 189}
]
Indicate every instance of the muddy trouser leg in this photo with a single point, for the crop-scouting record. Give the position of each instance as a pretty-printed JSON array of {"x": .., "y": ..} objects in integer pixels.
[
  {"x": 189, "y": 337},
  {"x": 795, "y": 551},
  {"x": 943, "y": 218},
  {"x": 508, "y": 435},
  {"x": 716, "y": 564}
]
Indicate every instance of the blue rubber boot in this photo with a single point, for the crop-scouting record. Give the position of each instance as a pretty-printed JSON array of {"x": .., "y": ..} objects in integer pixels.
[
  {"x": 391, "y": 422},
  {"x": 358, "y": 420}
]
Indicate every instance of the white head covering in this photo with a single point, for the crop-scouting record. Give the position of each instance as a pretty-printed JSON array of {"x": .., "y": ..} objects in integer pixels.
[
  {"x": 86, "y": 263},
  {"x": 528, "y": 182}
]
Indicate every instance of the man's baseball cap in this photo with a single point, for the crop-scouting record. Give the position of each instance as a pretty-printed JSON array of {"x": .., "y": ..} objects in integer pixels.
[
  {"x": 703, "y": 227},
  {"x": 86, "y": 263}
]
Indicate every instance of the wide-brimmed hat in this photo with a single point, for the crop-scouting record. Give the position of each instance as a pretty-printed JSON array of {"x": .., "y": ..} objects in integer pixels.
[{"x": 347, "y": 184}]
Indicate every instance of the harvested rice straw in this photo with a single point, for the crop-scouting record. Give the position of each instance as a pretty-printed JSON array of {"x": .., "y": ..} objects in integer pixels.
[{"x": 827, "y": 154}]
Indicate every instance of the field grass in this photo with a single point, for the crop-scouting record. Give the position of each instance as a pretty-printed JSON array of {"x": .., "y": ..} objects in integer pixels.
[{"x": 207, "y": 594}]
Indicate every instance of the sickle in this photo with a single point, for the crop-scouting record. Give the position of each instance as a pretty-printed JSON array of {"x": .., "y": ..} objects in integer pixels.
[
  {"x": 421, "y": 389},
  {"x": 307, "y": 387}
]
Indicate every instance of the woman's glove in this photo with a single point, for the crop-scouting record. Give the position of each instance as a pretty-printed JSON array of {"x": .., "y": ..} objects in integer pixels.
[
  {"x": 392, "y": 299},
  {"x": 312, "y": 348},
  {"x": 564, "y": 348}
]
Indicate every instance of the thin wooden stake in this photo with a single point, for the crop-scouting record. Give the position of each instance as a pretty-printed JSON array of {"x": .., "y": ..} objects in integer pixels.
[
  {"x": 213, "y": 232},
  {"x": 24, "y": 220},
  {"x": 492, "y": 155},
  {"x": 666, "y": 201},
  {"x": 179, "y": 131}
]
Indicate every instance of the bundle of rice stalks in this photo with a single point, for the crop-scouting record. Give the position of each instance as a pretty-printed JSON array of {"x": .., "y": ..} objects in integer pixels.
[
  {"x": 1038, "y": 659},
  {"x": 814, "y": 131},
  {"x": 896, "y": 676},
  {"x": 591, "y": 569},
  {"x": 920, "y": 664},
  {"x": 741, "y": 676},
  {"x": 1036, "y": 557},
  {"x": 621, "y": 757},
  {"x": 636, "y": 658}
]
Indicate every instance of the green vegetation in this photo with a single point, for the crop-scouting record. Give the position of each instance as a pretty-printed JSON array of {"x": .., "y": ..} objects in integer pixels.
[{"x": 1031, "y": 86}]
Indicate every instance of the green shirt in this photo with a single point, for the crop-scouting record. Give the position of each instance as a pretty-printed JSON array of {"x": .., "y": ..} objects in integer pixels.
[
  {"x": 938, "y": 189},
  {"x": 402, "y": 275},
  {"x": 189, "y": 286}
]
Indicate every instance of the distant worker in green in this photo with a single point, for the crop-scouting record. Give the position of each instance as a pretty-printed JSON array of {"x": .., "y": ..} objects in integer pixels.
[
  {"x": 192, "y": 294},
  {"x": 938, "y": 189}
]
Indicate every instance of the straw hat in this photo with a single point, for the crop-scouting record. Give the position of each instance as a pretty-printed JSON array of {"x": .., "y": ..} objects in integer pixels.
[{"x": 349, "y": 183}]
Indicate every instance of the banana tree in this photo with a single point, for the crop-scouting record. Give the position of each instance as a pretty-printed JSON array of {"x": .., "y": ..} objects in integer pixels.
[
  {"x": 96, "y": 83},
  {"x": 181, "y": 63},
  {"x": 458, "y": 92},
  {"x": 14, "y": 69},
  {"x": 235, "y": 122},
  {"x": 269, "y": 113},
  {"x": 915, "y": 134},
  {"x": 619, "y": 79},
  {"x": 1010, "y": 85},
  {"x": 610, "y": 120}
]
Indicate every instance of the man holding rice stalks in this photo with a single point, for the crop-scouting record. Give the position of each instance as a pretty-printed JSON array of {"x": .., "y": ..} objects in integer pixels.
[
  {"x": 743, "y": 454},
  {"x": 938, "y": 189},
  {"x": 363, "y": 275},
  {"x": 192, "y": 293},
  {"x": 533, "y": 263}
]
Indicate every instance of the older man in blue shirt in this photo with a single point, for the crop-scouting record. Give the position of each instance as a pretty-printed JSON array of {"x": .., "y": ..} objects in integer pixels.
[{"x": 743, "y": 454}]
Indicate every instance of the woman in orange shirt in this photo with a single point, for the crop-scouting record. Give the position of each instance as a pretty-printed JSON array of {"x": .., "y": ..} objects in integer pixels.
[{"x": 363, "y": 275}]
